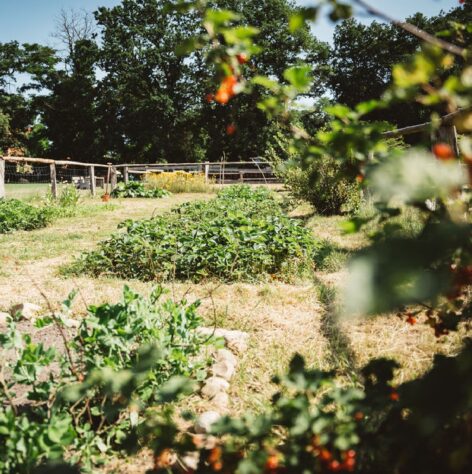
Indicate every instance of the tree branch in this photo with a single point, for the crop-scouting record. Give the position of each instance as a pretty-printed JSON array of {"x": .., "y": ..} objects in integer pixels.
[{"x": 412, "y": 29}]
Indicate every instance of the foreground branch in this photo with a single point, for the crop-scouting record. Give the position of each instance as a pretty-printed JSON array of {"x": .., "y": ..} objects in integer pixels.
[{"x": 414, "y": 30}]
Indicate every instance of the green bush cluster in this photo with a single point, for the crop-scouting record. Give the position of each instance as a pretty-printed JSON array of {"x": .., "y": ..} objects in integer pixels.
[
  {"x": 324, "y": 186},
  {"x": 136, "y": 189},
  {"x": 89, "y": 399},
  {"x": 19, "y": 215},
  {"x": 241, "y": 235}
]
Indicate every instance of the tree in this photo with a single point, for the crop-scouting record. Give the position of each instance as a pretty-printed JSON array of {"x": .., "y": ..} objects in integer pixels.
[
  {"x": 154, "y": 102},
  {"x": 18, "y": 110},
  {"x": 362, "y": 58},
  {"x": 70, "y": 110}
]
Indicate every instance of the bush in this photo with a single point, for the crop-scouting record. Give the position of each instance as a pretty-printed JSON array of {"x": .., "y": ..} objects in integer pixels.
[
  {"x": 123, "y": 354},
  {"x": 18, "y": 215},
  {"x": 241, "y": 235},
  {"x": 178, "y": 182},
  {"x": 136, "y": 189},
  {"x": 324, "y": 186}
]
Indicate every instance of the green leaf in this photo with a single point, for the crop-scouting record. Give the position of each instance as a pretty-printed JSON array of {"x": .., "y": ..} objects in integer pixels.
[
  {"x": 188, "y": 46},
  {"x": 299, "y": 77},
  {"x": 298, "y": 19}
]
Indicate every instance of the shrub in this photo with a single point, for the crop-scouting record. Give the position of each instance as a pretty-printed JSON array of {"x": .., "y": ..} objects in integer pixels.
[
  {"x": 136, "y": 189},
  {"x": 241, "y": 235},
  {"x": 323, "y": 186},
  {"x": 178, "y": 182},
  {"x": 122, "y": 354},
  {"x": 18, "y": 215}
]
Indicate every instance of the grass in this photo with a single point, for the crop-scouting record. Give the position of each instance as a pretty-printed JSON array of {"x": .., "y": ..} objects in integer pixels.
[
  {"x": 281, "y": 318},
  {"x": 26, "y": 191}
]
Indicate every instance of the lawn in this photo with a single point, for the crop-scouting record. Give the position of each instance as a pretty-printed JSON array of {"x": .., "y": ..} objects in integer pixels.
[
  {"x": 281, "y": 318},
  {"x": 26, "y": 191}
]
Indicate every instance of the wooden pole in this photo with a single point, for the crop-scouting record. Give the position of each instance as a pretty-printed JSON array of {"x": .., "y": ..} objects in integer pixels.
[
  {"x": 2, "y": 177},
  {"x": 93, "y": 183},
  {"x": 52, "y": 172},
  {"x": 114, "y": 178},
  {"x": 207, "y": 171},
  {"x": 126, "y": 174},
  {"x": 448, "y": 134}
]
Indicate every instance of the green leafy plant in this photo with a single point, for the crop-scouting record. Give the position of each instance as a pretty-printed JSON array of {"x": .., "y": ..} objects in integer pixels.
[
  {"x": 137, "y": 189},
  {"x": 87, "y": 397},
  {"x": 323, "y": 186},
  {"x": 241, "y": 235},
  {"x": 19, "y": 215}
]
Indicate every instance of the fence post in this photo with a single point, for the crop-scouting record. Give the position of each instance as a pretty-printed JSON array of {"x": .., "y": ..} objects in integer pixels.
[
  {"x": 52, "y": 172},
  {"x": 113, "y": 178},
  {"x": 93, "y": 183},
  {"x": 126, "y": 174},
  {"x": 2, "y": 177},
  {"x": 207, "y": 171},
  {"x": 241, "y": 176},
  {"x": 448, "y": 134}
]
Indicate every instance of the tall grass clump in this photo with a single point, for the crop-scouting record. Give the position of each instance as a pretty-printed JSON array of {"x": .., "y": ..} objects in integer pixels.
[
  {"x": 178, "y": 182},
  {"x": 242, "y": 235}
]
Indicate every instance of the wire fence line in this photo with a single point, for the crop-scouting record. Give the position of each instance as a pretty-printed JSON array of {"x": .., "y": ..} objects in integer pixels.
[{"x": 26, "y": 170}]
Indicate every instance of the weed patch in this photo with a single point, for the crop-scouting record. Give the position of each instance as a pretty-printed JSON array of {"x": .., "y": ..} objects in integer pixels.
[
  {"x": 18, "y": 215},
  {"x": 242, "y": 235},
  {"x": 136, "y": 189}
]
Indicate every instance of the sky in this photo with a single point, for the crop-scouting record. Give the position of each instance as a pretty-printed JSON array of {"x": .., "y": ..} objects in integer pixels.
[{"x": 33, "y": 21}]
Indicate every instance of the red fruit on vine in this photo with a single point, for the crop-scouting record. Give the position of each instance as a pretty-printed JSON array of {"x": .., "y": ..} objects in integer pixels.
[
  {"x": 210, "y": 97},
  {"x": 164, "y": 460},
  {"x": 351, "y": 454},
  {"x": 272, "y": 462},
  {"x": 334, "y": 466},
  {"x": 394, "y": 396},
  {"x": 325, "y": 455},
  {"x": 222, "y": 97},
  {"x": 242, "y": 58},
  {"x": 349, "y": 464},
  {"x": 411, "y": 320},
  {"x": 230, "y": 129},
  {"x": 358, "y": 416},
  {"x": 443, "y": 151},
  {"x": 226, "y": 89},
  {"x": 360, "y": 178}
]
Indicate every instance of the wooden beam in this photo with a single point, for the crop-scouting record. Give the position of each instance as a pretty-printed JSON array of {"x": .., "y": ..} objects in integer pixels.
[
  {"x": 46, "y": 161},
  {"x": 93, "y": 184},
  {"x": 2, "y": 177},
  {"x": 113, "y": 178},
  {"x": 52, "y": 171},
  {"x": 423, "y": 127}
]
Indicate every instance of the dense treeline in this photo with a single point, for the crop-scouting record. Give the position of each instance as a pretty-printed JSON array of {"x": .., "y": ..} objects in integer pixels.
[{"x": 118, "y": 90}]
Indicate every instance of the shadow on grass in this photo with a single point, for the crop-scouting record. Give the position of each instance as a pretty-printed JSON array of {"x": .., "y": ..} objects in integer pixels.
[{"x": 341, "y": 354}]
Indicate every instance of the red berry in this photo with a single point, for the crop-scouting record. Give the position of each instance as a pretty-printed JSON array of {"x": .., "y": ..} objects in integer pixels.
[
  {"x": 242, "y": 58},
  {"x": 334, "y": 466},
  {"x": 411, "y": 320},
  {"x": 272, "y": 462},
  {"x": 230, "y": 129},
  {"x": 358, "y": 416},
  {"x": 394, "y": 396},
  {"x": 210, "y": 97},
  {"x": 222, "y": 97},
  {"x": 443, "y": 151},
  {"x": 325, "y": 455}
]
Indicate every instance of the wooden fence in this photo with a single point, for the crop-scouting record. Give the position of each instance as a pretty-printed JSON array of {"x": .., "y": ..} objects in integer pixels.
[{"x": 227, "y": 172}]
